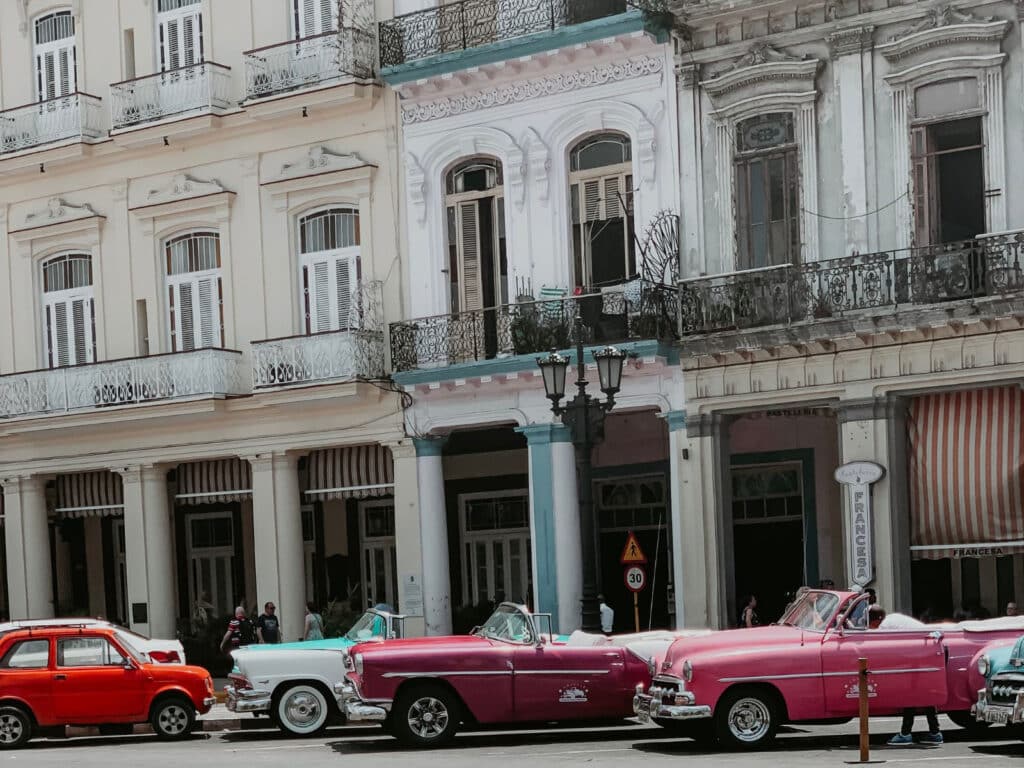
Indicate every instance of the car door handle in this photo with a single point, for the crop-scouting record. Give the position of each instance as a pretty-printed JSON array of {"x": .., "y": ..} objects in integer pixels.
[{"x": 60, "y": 677}]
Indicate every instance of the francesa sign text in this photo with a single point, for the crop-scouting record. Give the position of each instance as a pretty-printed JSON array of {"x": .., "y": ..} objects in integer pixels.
[{"x": 858, "y": 476}]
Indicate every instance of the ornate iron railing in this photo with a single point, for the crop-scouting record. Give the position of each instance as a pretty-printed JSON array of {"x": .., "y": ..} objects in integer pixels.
[
  {"x": 311, "y": 61},
  {"x": 76, "y": 116},
  {"x": 203, "y": 87},
  {"x": 353, "y": 352},
  {"x": 202, "y": 372},
  {"x": 990, "y": 265},
  {"x": 637, "y": 310},
  {"x": 471, "y": 23}
]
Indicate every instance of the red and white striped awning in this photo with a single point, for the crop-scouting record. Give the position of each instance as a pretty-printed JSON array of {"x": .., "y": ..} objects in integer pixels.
[
  {"x": 89, "y": 494},
  {"x": 967, "y": 473},
  {"x": 357, "y": 471},
  {"x": 216, "y": 481}
]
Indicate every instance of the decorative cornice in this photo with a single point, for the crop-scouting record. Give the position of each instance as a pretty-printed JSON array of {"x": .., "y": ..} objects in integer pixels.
[
  {"x": 181, "y": 187},
  {"x": 687, "y": 75},
  {"x": 944, "y": 16},
  {"x": 763, "y": 64},
  {"x": 846, "y": 42},
  {"x": 320, "y": 159},
  {"x": 57, "y": 211},
  {"x": 760, "y": 53},
  {"x": 905, "y": 47},
  {"x": 523, "y": 90}
]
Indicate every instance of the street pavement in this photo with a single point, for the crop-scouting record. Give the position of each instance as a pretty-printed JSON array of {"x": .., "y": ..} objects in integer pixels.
[{"x": 625, "y": 744}]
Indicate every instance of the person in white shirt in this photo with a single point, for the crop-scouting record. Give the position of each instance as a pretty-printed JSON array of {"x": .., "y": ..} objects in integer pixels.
[{"x": 607, "y": 616}]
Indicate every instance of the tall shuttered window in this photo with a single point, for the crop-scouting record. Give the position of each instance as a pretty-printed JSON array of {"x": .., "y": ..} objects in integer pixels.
[
  {"x": 68, "y": 314},
  {"x": 194, "y": 290},
  {"x": 329, "y": 258},
  {"x": 180, "y": 29},
  {"x": 54, "y": 48},
  {"x": 314, "y": 17},
  {"x": 601, "y": 196}
]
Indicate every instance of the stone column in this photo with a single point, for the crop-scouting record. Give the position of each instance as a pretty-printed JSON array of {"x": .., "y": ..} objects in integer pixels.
[
  {"x": 555, "y": 525},
  {"x": 875, "y": 430},
  {"x": 277, "y": 524},
  {"x": 27, "y": 537},
  {"x": 408, "y": 547},
  {"x": 437, "y": 609},
  {"x": 901, "y": 167},
  {"x": 149, "y": 550}
]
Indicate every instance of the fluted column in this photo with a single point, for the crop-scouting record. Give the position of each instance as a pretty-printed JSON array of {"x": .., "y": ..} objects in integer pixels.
[
  {"x": 726, "y": 216},
  {"x": 995, "y": 151},
  {"x": 694, "y": 254},
  {"x": 901, "y": 168},
  {"x": 437, "y": 611},
  {"x": 807, "y": 138},
  {"x": 27, "y": 538}
]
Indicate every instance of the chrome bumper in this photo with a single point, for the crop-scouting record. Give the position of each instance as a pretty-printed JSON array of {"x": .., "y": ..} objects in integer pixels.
[
  {"x": 248, "y": 700},
  {"x": 650, "y": 705},
  {"x": 209, "y": 701},
  {"x": 355, "y": 709},
  {"x": 986, "y": 711}
]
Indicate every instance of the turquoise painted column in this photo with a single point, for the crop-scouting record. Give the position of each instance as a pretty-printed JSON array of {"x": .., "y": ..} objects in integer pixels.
[
  {"x": 437, "y": 611},
  {"x": 554, "y": 524}
]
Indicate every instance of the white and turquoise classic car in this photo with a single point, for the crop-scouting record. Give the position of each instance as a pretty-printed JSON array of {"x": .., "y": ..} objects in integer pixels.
[
  {"x": 1001, "y": 701},
  {"x": 292, "y": 682}
]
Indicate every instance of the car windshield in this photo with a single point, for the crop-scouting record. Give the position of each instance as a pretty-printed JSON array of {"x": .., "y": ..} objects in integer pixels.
[
  {"x": 367, "y": 627},
  {"x": 127, "y": 642},
  {"x": 811, "y": 610},
  {"x": 508, "y": 624}
]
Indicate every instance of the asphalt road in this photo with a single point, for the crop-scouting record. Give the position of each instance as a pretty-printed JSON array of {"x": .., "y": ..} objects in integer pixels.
[{"x": 613, "y": 747}]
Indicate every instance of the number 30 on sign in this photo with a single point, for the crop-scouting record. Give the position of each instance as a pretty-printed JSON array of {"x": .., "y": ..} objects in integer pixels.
[{"x": 636, "y": 578}]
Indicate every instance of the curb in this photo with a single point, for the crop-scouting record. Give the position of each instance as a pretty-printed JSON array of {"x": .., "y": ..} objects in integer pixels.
[{"x": 219, "y": 724}]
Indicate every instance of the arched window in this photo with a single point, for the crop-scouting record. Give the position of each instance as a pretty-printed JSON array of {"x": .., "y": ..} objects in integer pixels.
[
  {"x": 68, "y": 312},
  {"x": 54, "y": 51},
  {"x": 475, "y": 216},
  {"x": 314, "y": 17},
  {"x": 601, "y": 196},
  {"x": 329, "y": 258},
  {"x": 767, "y": 191},
  {"x": 195, "y": 295}
]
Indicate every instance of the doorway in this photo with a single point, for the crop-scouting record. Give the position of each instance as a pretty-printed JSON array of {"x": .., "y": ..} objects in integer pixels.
[
  {"x": 210, "y": 551},
  {"x": 380, "y": 565}
]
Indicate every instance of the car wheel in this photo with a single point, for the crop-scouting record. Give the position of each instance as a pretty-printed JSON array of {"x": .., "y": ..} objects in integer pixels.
[
  {"x": 301, "y": 710},
  {"x": 702, "y": 731},
  {"x": 426, "y": 716},
  {"x": 173, "y": 717},
  {"x": 965, "y": 720},
  {"x": 745, "y": 718},
  {"x": 15, "y": 727}
]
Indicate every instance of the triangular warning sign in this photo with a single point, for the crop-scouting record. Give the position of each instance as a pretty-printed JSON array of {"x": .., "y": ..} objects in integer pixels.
[{"x": 632, "y": 553}]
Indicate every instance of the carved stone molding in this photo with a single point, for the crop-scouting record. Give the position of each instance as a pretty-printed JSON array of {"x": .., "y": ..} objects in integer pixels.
[
  {"x": 945, "y": 16},
  {"x": 758, "y": 70},
  {"x": 848, "y": 42},
  {"x": 57, "y": 211},
  {"x": 416, "y": 184},
  {"x": 181, "y": 187},
  {"x": 523, "y": 90},
  {"x": 539, "y": 161},
  {"x": 944, "y": 27},
  {"x": 320, "y": 159},
  {"x": 687, "y": 75}
]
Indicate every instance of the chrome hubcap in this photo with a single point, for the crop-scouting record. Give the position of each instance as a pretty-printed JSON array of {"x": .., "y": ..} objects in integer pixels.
[
  {"x": 428, "y": 717},
  {"x": 303, "y": 709},
  {"x": 173, "y": 719},
  {"x": 11, "y": 728},
  {"x": 749, "y": 720}
]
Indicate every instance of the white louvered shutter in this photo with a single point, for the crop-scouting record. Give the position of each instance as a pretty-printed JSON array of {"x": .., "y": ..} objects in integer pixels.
[
  {"x": 330, "y": 283},
  {"x": 469, "y": 255},
  {"x": 315, "y": 17},
  {"x": 195, "y": 306},
  {"x": 56, "y": 69},
  {"x": 70, "y": 326},
  {"x": 181, "y": 37}
]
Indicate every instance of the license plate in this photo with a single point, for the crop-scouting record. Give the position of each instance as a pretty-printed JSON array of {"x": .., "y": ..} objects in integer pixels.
[{"x": 997, "y": 716}]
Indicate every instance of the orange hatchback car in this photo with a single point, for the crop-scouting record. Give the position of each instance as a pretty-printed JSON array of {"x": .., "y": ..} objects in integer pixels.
[{"x": 91, "y": 675}]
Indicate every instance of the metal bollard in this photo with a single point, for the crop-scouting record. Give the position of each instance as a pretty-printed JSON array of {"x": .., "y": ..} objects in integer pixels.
[{"x": 862, "y": 690}]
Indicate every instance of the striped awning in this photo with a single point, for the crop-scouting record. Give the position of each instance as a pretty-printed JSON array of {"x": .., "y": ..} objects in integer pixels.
[
  {"x": 357, "y": 471},
  {"x": 966, "y": 473},
  {"x": 89, "y": 494},
  {"x": 208, "y": 482}
]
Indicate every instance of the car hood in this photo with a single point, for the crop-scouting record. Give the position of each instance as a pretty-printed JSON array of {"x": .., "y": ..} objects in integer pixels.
[
  {"x": 736, "y": 642},
  {"x": 327, "y": 644},
  {"x": 449, "y": 643}
]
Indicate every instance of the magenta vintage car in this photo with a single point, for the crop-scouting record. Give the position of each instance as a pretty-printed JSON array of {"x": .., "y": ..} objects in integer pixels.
[
  {"x": 507, "y": 671},
  {"x": 738, "y": 686}
]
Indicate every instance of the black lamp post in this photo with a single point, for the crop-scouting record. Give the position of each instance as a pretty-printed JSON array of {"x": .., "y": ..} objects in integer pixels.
[{"x": 584, "y": 416}]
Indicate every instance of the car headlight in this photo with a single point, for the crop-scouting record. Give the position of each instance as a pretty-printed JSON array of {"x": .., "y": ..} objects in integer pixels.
[
  {"x": 358, "y": 661},
  {"x": 984, "y": 665},
  {"x": 346, "y": 660},
  {"x": 687, "y": 671}
]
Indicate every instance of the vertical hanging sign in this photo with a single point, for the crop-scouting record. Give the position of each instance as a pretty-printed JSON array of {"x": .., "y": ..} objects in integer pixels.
[{"x": 858, "y": 476}]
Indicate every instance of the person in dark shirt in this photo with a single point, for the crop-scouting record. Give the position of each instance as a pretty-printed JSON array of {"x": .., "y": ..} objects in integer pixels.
[
  {"x": 268, "y": 628},
  {"x": 240, "y": 632}
]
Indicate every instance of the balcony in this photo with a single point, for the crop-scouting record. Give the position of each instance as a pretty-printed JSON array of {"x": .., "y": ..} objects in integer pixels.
[
  {"x": 76, "y": 117},
  {"x": 200, "y": 89},
  {"x": 322, "y": 358},
  {"x": 873, "y": 284},
  {"x": 469, "y": 24},
  {"x": 132, "y": 381},
  {"x": 312, "y": 62},
  {"x": 633, "y": 312}
]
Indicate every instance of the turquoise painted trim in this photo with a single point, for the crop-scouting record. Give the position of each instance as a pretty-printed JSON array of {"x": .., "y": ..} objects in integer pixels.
[
  {"x": 517, "y": 363},
  {"x": 543, "y": 533},
  {"x": 527, "y": 45},
  {"x": 676, "y": 420},
  {"x": 429, "y": 446},
  {"x": 543, "y": 434},
  {"x": 806, "y": 458}
]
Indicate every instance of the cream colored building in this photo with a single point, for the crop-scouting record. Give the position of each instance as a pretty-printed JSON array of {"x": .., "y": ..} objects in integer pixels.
[{"x": 199, "y": 216}]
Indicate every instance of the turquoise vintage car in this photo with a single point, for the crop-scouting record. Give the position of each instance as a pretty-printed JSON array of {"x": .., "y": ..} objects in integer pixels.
[
  {"x": 1001, "y": 701},
  {"x": 374, "y": 624}
]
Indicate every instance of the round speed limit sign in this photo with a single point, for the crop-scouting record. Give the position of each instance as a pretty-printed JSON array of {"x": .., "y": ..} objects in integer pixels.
[{"x": 636, "y": 578}]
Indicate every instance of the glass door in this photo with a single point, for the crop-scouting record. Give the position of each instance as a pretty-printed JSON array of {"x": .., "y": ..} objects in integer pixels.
[
  {"x": 379, "y": 562},
  {"x": 211, "y": 553},
  {"x": 496, "y": 542}
]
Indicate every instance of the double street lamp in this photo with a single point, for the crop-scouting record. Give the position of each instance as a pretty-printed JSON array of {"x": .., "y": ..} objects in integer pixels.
[{"x": 584, "y": 416}]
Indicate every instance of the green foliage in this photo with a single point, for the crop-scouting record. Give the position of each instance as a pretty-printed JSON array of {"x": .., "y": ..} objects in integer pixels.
[{"x": 533, "y": 330}]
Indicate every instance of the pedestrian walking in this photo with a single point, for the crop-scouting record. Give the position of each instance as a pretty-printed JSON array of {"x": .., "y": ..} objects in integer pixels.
[
  {"x": 748, "y": 614},
  {"x": 268, "y": 628},
  {"x": 905, "y": 737},
  {"x": 607, "y": 615},
  {"x": 1011, "y": 609},
  {"x": 240, "y": 632},
  {"x": 314, "y": 626}
]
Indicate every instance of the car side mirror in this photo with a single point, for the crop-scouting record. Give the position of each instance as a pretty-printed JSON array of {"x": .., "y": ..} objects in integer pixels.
[{"x": 129, "y": 665}]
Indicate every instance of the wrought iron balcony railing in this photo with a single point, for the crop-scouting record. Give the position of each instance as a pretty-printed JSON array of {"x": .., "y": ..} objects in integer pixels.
[
  {"x": 200, "y": 88},
  {"x": 635, "y": 311},
  {"x": 180, "y": 375},
  {"x": 990, "y": 265},
  {"x": 356, "y": 351},
  {"x": 346, "y": 54},
  {"x": 471, "y": 23},
  {"x": 75, "y": 116}
]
